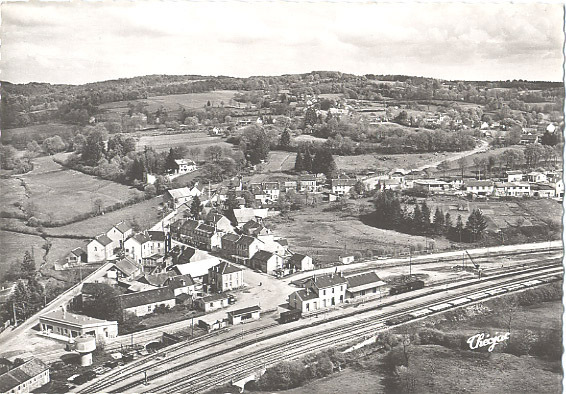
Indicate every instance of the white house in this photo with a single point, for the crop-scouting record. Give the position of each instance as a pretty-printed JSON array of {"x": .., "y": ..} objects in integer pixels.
[
  {"x": 341, "y": 187},
  {"x": 60, "y": 323},
  {"x": 145, "y": 302},
  {"x": 99, "y": 249},
  {"x": 119, "y": 233},
  {"x": 480, "y": 188},
  {"x": 177, "y": 197},
  {"x": 514, "y": 176},
  {"x": 184, "y": 166},
  {"x": 512, "y": 189},
  {"x": 25, "y": 378},
  {"x": 536, "y": 177}
]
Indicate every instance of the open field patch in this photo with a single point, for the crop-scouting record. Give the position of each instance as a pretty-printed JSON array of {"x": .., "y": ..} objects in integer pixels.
[
  {"x": 387, "y": 162},
  {"x": 279, "y": 161},
  {"x": 308, "y": 138},
  {"x": 173, "y": 101},
  {"x": 19, "y": 137},
  {"x": 161, "y": 142},
  {"x": 11, "y": 193},
  {"x": 13, "y": 247}
]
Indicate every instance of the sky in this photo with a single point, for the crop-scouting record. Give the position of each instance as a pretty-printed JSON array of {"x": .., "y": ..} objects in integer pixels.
[{"x": 86, "y": 41}]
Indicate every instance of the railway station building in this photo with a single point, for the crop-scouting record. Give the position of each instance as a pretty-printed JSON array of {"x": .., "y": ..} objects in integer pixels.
[
  {"x": 367, "y": 284},
  {"x": 243, "y": 315}
]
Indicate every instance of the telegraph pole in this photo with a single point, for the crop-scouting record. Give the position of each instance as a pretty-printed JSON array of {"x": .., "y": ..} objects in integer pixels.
[{"x": 14, "y": 310}]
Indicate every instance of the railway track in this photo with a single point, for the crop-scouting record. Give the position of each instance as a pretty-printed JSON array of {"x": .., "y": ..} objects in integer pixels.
[
  {"x": 360, "y": 328},
  {"x": 242, "y": 366}
]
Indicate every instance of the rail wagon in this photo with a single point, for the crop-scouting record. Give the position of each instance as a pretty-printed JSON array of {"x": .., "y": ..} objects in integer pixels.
[
  {"x": 478, "y": 296},
  {"x": 460, "y": 301},
  {"x": 440, "y": 307},
  {"x": 398, "y": 320},
  {"x": 496, "y": 291},
  {"x": 405, "y": 287},
  {"x": 289, "y": 316},
  {"x": 421, "y": 312}
]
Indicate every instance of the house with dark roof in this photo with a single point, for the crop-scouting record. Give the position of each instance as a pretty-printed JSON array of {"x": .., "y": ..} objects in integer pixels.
[
  {"x": 145, "y": 302},
  {"x": 228, "y": 244},
  {"x": 364, "y": 284},
  {"x": 247, "y": 246},
  {"x": 342, "y": 186},
  {"x": 99, "y": 249},
  {"x": 266, "y": 262},
  {"x": 76, "y": 256},
  {"x": 124, "y": 269},
  {"x": 255, "y": 228},
  {"x": 320, "y": 292},
  {"x": 224, "y": 277},
  {"x": 300, "y": 262},
  {"x": 220, "y": 222},
  {"x": 480, "y": 188},
  {"x": 119, "y": 233},
  {"x": 177, "y": 197},
  {"x": 146, "y": 245},
  {"x": 186, "y": 254},
  {"x": 206, "y": 237},
  {"x": 25, "y": 378}
]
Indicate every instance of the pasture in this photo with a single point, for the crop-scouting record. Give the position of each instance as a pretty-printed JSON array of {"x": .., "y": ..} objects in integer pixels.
[
  {"x": 279, "y": 161},
  {"x": 174, "y": 101},
  {"x": 11, "y": 193},
  {"x": 161, "y": 142},
  {"x": 14, "y": 245},
  {"x": 308, "y": 138},
  {"x": 376, "y": 161},
  {"x": 58, "y": 193},
  {"x": 19, "y": 137}
]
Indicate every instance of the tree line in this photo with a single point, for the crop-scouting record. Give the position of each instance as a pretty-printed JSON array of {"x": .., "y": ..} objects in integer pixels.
[{"x": 390, "y": 213}]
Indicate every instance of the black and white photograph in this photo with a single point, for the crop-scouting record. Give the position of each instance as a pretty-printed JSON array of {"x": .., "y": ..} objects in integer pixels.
[{"x": 281, "y": 197}]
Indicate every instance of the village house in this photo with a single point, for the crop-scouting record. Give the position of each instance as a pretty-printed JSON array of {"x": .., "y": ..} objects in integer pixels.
[
  {"x": 244, "y": 215},
  {"x": 212, "y": 302},
  {"x": 76, "y": 256},
  {"x": 243, "y": 315},
  {"x": 219, "y": 222},
  {"x": 180, "y": 284},
  {"x": 196, "y": 269},
  {"x": 308, "y": 183},
  {"x": 225, "y": 277},
  {"x": 184, "y": 230},
  {"x": 123, "y": 269},
  {"x": 247, "y": 246},
  {"x": 536, "y": 177},
  {"x": 186, "y": 254},
  {"x": 300, "y": 262},
  {"x": 99, "y": 249},
  {"x": 63, "y": 325},
  {"x": 529, "y": 139},
  {"x": 289, "y": 185},
  {"x": 266, "y": 262},
  {"x": 184, "y": 166},
  {"x": 341, "y": 187},
  {"x": 365, "y": 284},
  {"x": 177, "y": 197},
  {"x": 255, "y": 228},
  {"x": 558, "y": 187},
  {"x": 119, "y": 233},
  {"x": 229, "y": 244},
  {"x": 25, "y": 378},
  {"x": 143, "y": 247},
  {"x": 205, "y": 237},
  {"x": 390, "y": 184},
  {"x": 512, "y": 189},
  {"x": 542, "y": 190},
  {"x": 431, "y": 185},
  {"x": 271, "y": 190},
  {"x": 514, "y": 176},
  {"x": 145, "y": 302},
  {"x": 320, "y": 292},
  {"x": 479, "y": 188}
]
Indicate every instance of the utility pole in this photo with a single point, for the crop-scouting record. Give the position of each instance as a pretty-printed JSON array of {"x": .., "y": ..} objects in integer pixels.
[
  {"x": 410, "y": 264},
  {"x": 14, "y": 310}
]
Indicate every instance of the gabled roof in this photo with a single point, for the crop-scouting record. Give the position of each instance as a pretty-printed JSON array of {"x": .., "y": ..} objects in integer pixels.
[
  {"x": 21, "y": 374},
  {"x": 122, "y": 227},
  {"x": 140, "y": 238},
  {"x": 127, "y": 266},
  {"x": 262, "y": 255},
  {"x": 215, "y": 217},
  {"x": 179, "y": 281},
  {"x": 157, "y": 236},
  {"x": 296, "y": 258},
  {"x": 243, "y": 311},
  {"x": 343, "y": 182},
  {"x": 306, "y": 295},
  {"x": 206, "y": 228},
  {"x": 103, "y": 240},
  {"x": 364, "y": 281},
  {"x": 215, "y": 297},
  {"x": 189, "y": 225},
  {"x": 474, "y": 183},
  {"x": 246, "y": 240},
  {"x": 225, "y": 268},
  {"x": 231, "y": 237},
  {"x": 181, "y": 162},
  {"x": 145, "y": 297},
  {"x": 78, "y": 251},
  {"x": 182, "y": 192},
  {"x": 92, "y": 288},
  {"x": 157, "y": 280},
  {"x": 328, "y": 280}
]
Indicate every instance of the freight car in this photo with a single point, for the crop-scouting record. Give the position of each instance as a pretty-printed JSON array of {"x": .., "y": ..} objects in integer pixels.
[
  {"x": 405, "y": 287},
  {"x": 289, "y": 316}
]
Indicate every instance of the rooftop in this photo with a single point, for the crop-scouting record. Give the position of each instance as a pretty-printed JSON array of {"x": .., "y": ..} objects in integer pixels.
[
  {"x": 243, "y": 311},
  {"x": 364, "y": 281},
  {"x": 157, "y": 236},
  {"x": 215, "y": 297},
  {"x": 145, "y": 297},
  {"x": 262, "y": 255},
  {"x": 122, "y": 227},
  {"x": 182, "y": 192},
  {"x": 103, "y": 239},
  {"x": 474, "y": 183},
  {"x": 72, "y": 318},
  {"x": 328, "y": 280},
  {"x": 225, "y": 268},
  {"x": 21, "y": 374},
  {"x": 127, "y": 266},
  {"x": 306, "y": 295}
]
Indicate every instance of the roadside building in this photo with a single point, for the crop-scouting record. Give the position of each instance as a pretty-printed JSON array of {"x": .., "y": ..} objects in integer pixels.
[
  {"x": 365, "y": 284},
  {"x": 244, "y": 315},
  {"x": 479, "y": 188},
  {"x": 514, "y": 176},
  {"x": 145, "y": 302},
  {"x": 212, "y": 302},
  {"x": 247, "y": 246},
  {"x": 219, "y": 222},
  {"x": 304, "y": 300},
  {"x": 512, "y": 189},
  {"x": 300, "y": 262},
  {"x": 177, "y": 197},
  {"x": 430, "y": 185},
  {"x": 196, "y": 269},
  {"x": 184, "y": 166},
  {"x": 266, "y": 262},
  {"x": 543, "y": 190},
  {"x": 99, "y": 249},
  {"x": 342, "y": 186},
  {"x": 289, "y": 185},
  {"x": 537, "y": 177},
  {"x": 224, "y": 277},
  {"x": 119, "y": 233},
  {"x": 308, "y": 183},
  {"x": 331, "y": 289},
  {"x": 205, "y": 237},
  {"x": 25, "y": 378},
  {"x": 255, "y": 228},
  {"x": 229, "y": 244},
  {"x": 62, "y": 325},
  {"x": 271, "y": 191}
]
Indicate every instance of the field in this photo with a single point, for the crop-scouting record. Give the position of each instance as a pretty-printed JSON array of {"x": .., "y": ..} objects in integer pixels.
[
  {"x": 173, "y": 101},
  {"x": 388, "y": 162},
  {"x": 279, "y": 161},
  {"x": 308, "y": 138},
  {"x": 11, "y": 192},
  {"x": 503, "y": 214},
  {"x": 145, "y": 213},
  {"x": 327, "y": 235},
  {"x": 161, "y": 142},
  {"x": 58, "y": 193},
  {"x": 14, "y": 245}
]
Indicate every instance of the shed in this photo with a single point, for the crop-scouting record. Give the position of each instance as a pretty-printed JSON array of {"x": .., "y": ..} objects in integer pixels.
[{"x": 242, "y": 315}]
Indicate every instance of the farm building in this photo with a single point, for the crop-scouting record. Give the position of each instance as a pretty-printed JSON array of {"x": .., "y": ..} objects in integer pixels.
[
  {"x": 243, "y": 315},
  {"x": 25, "y": 378},
  {"x": 364, "y": 284},
  {"x": 119, "y": 233},
  {"x": 212, "y": 302},
  {"x": 99, "y": 249},
  {"x": 64, "y": 325},
  {"x": 224, "y": 277},
  {"x": 145, "y": 302}
]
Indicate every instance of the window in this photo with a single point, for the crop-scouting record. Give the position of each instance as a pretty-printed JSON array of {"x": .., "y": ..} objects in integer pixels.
[
  {"x": 341, "y": 288},
  {"x": 211, "y": 304},
  {"x": 333, "y": 290},
  {"x": 323, "y": 292},
  {"x": 149, "y": 308}
]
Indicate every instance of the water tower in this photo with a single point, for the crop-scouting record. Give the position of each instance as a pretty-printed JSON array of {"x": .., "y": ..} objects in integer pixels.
[{"x": 85, "y": 345}]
